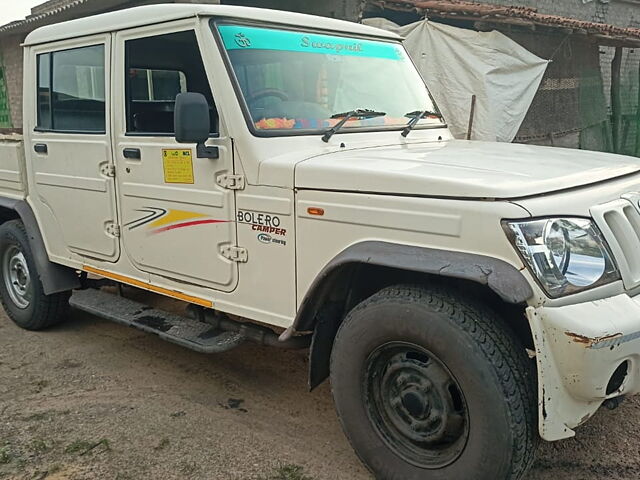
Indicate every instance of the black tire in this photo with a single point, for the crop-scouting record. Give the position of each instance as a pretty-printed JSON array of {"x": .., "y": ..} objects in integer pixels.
[
  {"x": 26, "y": 303},
  {"x": 400, "y": 345}
]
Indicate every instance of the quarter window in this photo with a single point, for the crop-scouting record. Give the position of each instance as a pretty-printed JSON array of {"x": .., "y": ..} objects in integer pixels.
[{"x": 71, "y": 90}]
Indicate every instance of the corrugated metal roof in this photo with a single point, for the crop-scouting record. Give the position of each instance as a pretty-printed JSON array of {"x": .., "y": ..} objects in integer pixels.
[
  {"x": 515, "y": 15},
  {"x": 36, "y": 19}
]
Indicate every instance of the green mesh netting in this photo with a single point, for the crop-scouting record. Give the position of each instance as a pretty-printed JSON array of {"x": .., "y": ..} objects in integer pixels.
[
  {"x": 5, "y": 113},
  {"x": 629, "y": 132}
]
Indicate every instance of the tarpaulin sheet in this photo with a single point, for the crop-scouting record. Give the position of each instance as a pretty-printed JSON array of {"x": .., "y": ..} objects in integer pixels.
[{"x": 458, "y": 63}]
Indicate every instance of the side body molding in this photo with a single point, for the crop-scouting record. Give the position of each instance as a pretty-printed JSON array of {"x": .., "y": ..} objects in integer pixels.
[
  {"x": 504, "y": 279},
  {"x": 55, "y": 278}
]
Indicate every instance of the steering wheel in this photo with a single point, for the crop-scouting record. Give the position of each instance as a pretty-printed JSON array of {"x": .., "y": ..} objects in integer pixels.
[{"x": 268, "y": 92}]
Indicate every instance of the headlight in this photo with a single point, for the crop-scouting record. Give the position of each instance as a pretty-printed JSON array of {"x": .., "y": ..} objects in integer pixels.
[{"x": 566, "y": 255}]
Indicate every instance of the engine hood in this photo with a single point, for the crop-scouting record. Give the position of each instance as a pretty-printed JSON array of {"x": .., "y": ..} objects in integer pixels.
[{"x": 461, "y": 169}]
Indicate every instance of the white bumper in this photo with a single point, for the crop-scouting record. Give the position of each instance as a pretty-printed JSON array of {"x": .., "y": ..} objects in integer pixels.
[{"x": 578, "y": 349}]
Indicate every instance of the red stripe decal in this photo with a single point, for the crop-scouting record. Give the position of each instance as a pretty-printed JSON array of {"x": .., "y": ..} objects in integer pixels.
[{"x": 187, "y": 224}]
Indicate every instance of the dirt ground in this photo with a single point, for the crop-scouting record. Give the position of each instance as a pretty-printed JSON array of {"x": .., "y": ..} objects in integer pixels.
[{"x": 91, "y": 400}]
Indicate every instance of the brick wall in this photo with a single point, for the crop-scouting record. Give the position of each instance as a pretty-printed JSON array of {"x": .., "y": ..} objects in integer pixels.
[{"x": 622, "y": 13}]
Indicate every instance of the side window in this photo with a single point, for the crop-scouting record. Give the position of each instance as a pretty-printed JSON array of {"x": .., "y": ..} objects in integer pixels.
[
  {"x": 158, "y": 69},
  {"x": 71, "y": 90}
]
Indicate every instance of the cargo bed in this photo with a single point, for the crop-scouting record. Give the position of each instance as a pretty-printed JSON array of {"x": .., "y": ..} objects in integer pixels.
[{"x": 12, "y": 164}]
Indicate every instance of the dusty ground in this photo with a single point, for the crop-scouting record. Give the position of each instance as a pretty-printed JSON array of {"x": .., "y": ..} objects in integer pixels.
[{"x": 91, "y": 399}]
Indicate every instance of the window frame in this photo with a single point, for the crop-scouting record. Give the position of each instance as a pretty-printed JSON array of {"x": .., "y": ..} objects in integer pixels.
[
  {"x": 300, "y": 132},
  {"x": 127, "y": 81},
  {"x": 38, "y": 128},
  {"x": 49, "y": 54}
]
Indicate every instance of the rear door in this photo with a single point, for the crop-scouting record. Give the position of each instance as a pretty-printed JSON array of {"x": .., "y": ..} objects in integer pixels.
[
  {"x": 177, "y": 219},
  {"x": 69, "y": 149}
]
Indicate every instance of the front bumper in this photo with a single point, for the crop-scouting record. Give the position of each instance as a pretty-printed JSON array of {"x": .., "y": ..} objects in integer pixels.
[{"x": 579, "y": 348}]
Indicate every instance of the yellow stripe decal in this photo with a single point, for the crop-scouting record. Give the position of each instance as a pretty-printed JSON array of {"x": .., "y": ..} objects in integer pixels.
[
  {"x": 148, "y": 286},
  {"x": 176, "y": 216}
]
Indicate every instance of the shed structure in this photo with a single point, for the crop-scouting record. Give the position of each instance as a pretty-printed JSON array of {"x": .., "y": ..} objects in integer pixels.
[{"x": 589, "y": 96}]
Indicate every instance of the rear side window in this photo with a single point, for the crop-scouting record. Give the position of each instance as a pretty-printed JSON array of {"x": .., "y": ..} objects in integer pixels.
[
  {"x": 156, "y": 85},
  {"x": 71, "y": 90}
]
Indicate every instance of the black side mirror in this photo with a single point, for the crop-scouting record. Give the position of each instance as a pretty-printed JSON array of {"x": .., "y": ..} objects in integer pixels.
[{"x": 192, "y": 123}]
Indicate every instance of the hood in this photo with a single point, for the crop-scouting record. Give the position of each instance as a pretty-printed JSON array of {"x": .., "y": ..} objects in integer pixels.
[{"x": 461, "y": 169}]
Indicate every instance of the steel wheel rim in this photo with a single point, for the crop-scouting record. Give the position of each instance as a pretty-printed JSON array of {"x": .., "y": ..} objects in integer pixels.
[
  {"x": 416, "y": 405},
  {"x": 17, "y": 278}
]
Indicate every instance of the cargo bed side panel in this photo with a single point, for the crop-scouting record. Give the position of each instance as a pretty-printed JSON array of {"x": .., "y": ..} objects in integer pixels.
[{"x": 12, "y": 167}]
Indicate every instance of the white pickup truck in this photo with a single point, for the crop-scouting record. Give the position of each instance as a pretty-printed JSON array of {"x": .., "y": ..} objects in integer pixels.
[{"x": 291, "y": 179}]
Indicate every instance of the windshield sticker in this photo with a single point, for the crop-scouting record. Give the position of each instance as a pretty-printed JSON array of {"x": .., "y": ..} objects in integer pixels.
[
  {"x": 276, "y": 123},
  {"x": 236, "y": 37},
  {"x": 310, "y": 123}
]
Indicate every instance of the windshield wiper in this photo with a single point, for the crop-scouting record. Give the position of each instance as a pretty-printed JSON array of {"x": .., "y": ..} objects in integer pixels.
[
  {"x": 361, "y": 113},
  {"x": 416, "y": 117}
]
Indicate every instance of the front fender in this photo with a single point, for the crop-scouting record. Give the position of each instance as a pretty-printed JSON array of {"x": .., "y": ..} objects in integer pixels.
[
  {"x": 501, "y": 277},
  {"x": 319, "y": 314}
]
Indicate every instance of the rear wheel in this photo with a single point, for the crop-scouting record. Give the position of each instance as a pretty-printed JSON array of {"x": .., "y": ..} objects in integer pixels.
[
  {"x": 21, "y": 291},
  {"x": 430, "y": 386}
]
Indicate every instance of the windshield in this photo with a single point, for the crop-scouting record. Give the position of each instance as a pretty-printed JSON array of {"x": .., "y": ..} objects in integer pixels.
[{"x": 294, "y": 81}]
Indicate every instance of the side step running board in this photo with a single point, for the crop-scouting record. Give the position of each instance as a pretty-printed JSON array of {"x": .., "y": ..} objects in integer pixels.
[{"x": 183, "y": 331}]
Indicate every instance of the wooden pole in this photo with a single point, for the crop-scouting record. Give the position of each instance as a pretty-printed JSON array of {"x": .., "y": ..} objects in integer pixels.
[
  {"x": 637, "y": 149},
  {"x": 616, "y": 100},
  {"x": 472, "y": 115}
]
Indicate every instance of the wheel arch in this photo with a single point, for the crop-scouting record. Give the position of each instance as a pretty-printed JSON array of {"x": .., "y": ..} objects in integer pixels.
[
  {"x": 364, "y": 268},
  {"x": 55, "y": 278}
]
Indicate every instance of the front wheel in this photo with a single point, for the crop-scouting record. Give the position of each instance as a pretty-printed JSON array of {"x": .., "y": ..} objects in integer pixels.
[
  {"x": 21, "y": 291},
  {"x": 430, "y": 386}
]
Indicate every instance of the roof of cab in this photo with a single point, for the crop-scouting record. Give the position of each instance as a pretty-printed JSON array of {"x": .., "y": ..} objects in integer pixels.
[{"x": 153, "y": 14}]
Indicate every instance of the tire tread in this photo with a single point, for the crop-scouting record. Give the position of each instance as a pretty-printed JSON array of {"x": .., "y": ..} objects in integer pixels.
[
  {"x": 49, "y": 310},
  {"x": 499, "y": 345}
]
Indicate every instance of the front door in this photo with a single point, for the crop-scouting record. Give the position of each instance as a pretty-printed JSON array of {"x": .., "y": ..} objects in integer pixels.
[
  {"x": 176, "y": 218},
  {"x": 69, "y": 150}
]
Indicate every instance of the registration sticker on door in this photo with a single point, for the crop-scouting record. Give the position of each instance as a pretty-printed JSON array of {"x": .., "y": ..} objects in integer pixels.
[{"x": 178, "y": 166}]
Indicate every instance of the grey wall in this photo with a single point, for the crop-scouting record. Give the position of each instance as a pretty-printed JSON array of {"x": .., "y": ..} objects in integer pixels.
[{"x": 622, "y": 13}]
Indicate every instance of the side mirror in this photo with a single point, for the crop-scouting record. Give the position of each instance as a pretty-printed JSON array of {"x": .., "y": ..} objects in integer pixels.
[{"x": 192, "y": 123}]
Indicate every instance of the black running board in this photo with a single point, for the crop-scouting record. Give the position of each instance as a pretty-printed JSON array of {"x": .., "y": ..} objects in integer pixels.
[{"x": 189, "y": 333}]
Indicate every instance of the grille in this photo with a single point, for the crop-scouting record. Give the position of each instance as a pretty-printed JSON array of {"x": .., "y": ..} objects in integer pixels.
[{"x": 619, "y": 222}]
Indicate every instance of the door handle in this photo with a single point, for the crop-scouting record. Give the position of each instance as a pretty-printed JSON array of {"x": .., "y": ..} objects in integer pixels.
[
  {"x": 41, "y": 148},
  {"x": 132, "y": 153}
]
